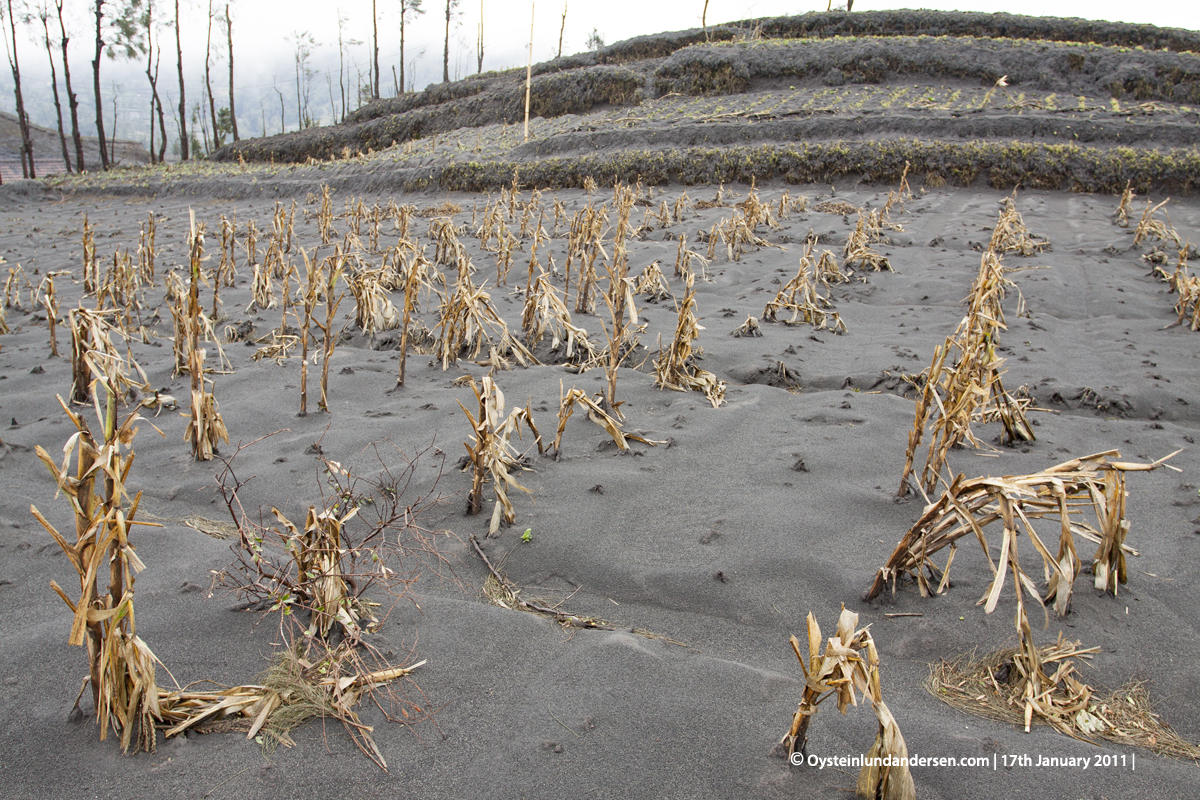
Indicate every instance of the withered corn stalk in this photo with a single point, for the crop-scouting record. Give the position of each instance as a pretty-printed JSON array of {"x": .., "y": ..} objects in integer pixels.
[
  {"x": 469, "y": 322},
  {"x": 333, "y": 268},
  {"x": 674, "y": 368},
  {"x": 205, "y": 428},
  {"x": 91, "y": 267},
  {"x": 491, "y": 454},
  {"x": 1061, "y": 492},
  {"x": 120, "y": 666},
  {"x": 801, "y": 298},
  {"x": 1150, "y": 228},
  {"x": 591, "y": 406},
  {"x": 50, "y": 303},
  {"x": 94, "y": 356},
  {"x": 848, "y": 668},
  {"x": 146, "y": 250},
  {"x": 546, "y": 311},
  {"x": 963, "y": 381}
]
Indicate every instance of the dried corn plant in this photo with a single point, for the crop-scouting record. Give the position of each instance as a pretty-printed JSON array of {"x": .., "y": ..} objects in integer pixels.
[
  {"x": 756, "y": 212},
  {"x": 91, "y": 267},
  {"x": 12, "y": 287},
  {"x": 596, "y": 413},
  {"x": 491, "y": 455},
  {"x": 205, "y": 428},
  {"x": 418, "y": 272},
  {"x": 584, "y": 245},
  {"x": 1121, "y": 217},
  {"x": 848, "y": 668},
  {"x": 331, "y": 271},
  {"x": 674, "y": 368},
  {"x": 94, "y": 356},
  {"x": 121, "y": 668},
  {"x": 325, "y": 216},
  {"x": 738, "y": 234},
  {"x": 364, "y": 535},
  {"x": 896, "y": 198},
  {"x": 653, "y": 284},
  {"x": 749, "y": 328},
  {"x": 146, "y": 251},
  {"x": 262, "y": 289},
  {"x": 545, "y": 311},
  {"x": 447, "y": 248},
  {"x": 1061, "y": 492},
  {"x": 1188, "y": 305},
  {"x": 1149, "y": 227},
  {"x": 622, "y": 333},
  {"x": 963, "y": 382},
  {"x": 49, "y": 301},
  {"x": 1010, "y": 234},
  {"x": 800, "y": 297},
  {"x": 373, "y": 309},
  {"x": 469, "y": 322},
  {"x": 251, "y": 244},
  {"x": 858, "y": 248}
]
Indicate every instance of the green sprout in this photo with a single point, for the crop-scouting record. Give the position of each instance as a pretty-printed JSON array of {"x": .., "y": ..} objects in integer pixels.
[{"x": 527, "y": 536}]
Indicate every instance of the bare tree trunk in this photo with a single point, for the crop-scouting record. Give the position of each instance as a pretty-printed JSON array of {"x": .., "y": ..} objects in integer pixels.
[
  {"x": 232, "y": 108},
  {"x": 44, "y": 16},
  {"x": 529, "y": 71},
  {"x": 479, "y": 44},
  {"x": 375, "y": 49},
  {"x": 446, "y": 52},
  {"x": 299, "y": 107},
  {"x": 403, "y": 14},
  {"x": 72, "y": 100},
  {"x": 162, "y": 117},
  {"x": 26, "y": 143},
  {"x": 112, "y": 140},
  {"x": 562, "y": 28},
  {"x": 96, "y": 85},
  {"x": 212, "y": 104},
  {"x": 183, "y": 133},
  {"x": 152, "y": 60}
]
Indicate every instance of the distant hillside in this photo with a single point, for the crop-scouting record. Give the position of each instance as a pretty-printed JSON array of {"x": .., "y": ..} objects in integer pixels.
[{"x": 47, "y": 150}]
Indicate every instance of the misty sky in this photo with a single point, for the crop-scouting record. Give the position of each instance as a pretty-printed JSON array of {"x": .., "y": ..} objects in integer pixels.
[{"x": 264, "y": 48}]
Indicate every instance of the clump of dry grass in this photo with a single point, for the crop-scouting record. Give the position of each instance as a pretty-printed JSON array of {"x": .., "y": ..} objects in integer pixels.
[
  {"x": 491, "y": 454},
  {"x": 674, "y": 367},
  {"x": 847, "y": 668}
]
